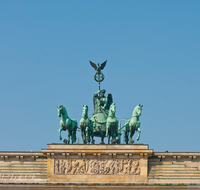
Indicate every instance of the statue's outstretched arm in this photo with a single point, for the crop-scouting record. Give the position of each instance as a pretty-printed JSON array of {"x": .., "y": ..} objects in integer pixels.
[
  {"x": 98, "y": 92},
  {"x": 95, "y": 94}
]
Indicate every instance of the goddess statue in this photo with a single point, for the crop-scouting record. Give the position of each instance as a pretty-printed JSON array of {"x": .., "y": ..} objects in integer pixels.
[{"x": 102, "y": 103}]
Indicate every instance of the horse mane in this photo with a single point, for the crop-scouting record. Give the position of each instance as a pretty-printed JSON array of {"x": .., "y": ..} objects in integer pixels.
[
  {"x": 65, "y": 111},
  {"x": 134, "y": 111},
  {"x": 85, "y": 106},
  {"x": 113, "y": 104}
]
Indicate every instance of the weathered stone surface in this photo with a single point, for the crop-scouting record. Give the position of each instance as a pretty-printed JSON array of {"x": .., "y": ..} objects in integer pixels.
[
  {"x": 97, "y": 163},
  {"x": 97, "y": 167},
  {"x": 100, "y": 164},
  {"x": 97, "y": 147}
]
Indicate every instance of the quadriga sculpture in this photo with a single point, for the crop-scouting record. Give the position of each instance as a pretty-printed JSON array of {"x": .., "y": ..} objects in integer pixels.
[
  {"x": 67, "y": 124},
  {"x": 133, "y": 124},
  {"x": 112, "y": 125},
  {"x": 86, "y": 126}
]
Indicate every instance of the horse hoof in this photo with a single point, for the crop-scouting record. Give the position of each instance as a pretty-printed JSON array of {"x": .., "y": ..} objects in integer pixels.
[
  {"x": 112, "y": 142},
  {"x": 65, "y": 141}
]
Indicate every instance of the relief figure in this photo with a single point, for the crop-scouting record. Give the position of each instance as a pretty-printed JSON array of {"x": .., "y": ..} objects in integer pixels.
[{"x": 97, "y": 167}]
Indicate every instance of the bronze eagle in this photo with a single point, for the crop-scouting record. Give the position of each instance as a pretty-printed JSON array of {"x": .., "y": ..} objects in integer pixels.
[{"x": 98, "y": 67}]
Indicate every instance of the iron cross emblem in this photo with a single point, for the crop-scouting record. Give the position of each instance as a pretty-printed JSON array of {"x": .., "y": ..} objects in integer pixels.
[{"x": 99, "y": 77}]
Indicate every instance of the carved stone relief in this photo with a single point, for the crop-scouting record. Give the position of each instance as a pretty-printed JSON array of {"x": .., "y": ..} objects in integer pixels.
[{"x": 97, "y": 167}]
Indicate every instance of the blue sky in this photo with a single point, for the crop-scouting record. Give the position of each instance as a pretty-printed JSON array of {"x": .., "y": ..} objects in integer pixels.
[{"x": 152, "y": 48}]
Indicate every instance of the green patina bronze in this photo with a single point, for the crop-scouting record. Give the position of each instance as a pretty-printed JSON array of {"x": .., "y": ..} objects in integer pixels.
[
  {"x": 67, "y": 124},
  {"x": 86, "y": 126},
  {"x": 112, "y": 125},
  {"x": 100, "y": 115},
  {"x": 102, "y": 103},
  {"x": 104, "y": 120},
  {"x": 99, "y": 76},
  {"x": 102, "y": 123},
  {"x": 133, "y": 124}
]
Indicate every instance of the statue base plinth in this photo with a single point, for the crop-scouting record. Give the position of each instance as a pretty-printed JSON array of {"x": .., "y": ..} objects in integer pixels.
[{"x": 97, "y": 163}]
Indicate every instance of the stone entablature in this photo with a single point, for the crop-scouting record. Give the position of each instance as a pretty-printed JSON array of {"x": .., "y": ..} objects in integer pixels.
[
  {"x": 129, "y": 164},
  {"x": 21, "y": 155},
  {"x": 97, "y": 163},
  {"x": 177, "y": 155},
  {"x": 97, "y": 151}
]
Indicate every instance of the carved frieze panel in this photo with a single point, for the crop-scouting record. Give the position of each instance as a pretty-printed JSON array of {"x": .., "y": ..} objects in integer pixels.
[{"x": 97, "y": 167}]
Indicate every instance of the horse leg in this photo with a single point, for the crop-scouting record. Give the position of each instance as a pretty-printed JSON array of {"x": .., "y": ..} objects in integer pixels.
[
  {"x": 74, "y": 128},
  {"x": 130, "y": 138},
  {"x": 59, "y": 131},
  {"x": 126, "y": 137},
  {"x": 119, "y": 132},
  {"x": 126, "y": 130},
  {"x": 101, "y": 132},
  {"x": 87, "y": 134},
  {"x": 73, "y": 137},
  {"x": 114, "y": 137},
  {"x": 109, "y": 134},
  {"x": 131, "y": 135},
  {"x": 69, "y": 134},
  {"x": 92, "y": 138},
  {"x": 82, "y": 134},
  {"x": 119, "y": 137},
  {"x": 92, "y": 132},
  {"x": 106, "y": 130},
  {"x": 74, "y": 134},
  {"x": 108, "y": 139},
  {"x": 92, "y": 135},
  {"x": 139, "y": 131}
]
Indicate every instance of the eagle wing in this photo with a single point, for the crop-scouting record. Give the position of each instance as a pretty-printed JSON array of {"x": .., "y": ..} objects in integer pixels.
[
  {"x": 93, "y": 65},
  {"x": 103, "y": 65}
]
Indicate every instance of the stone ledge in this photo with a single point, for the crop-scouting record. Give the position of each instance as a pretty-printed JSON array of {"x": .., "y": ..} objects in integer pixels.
[
  {"x": 86, "y": 186},
  {"x": 182, "y": 154},
  {"x": 106, "y": 184},
  {"x": 98, "y": 146}
]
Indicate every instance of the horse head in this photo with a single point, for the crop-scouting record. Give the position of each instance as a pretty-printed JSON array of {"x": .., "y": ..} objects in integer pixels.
[
  {"x": 112, "y": 109},
  {"x": 85, "y": 111},
  {"x": 60, "y": 110},
  {"x": 138, "y": 110}
]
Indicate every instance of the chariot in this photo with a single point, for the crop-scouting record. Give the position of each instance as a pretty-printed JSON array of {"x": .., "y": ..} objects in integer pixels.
[{"x": 106, "y": 124}]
